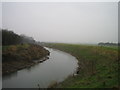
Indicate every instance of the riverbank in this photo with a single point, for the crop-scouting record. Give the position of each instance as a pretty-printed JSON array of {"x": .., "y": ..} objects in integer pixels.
[
  {"x": 98, "y": 66},
  {"x": 16, "y": 57}
]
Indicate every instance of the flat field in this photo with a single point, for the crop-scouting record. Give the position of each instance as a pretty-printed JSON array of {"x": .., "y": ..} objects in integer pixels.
[{"x": 98, "y": 66}]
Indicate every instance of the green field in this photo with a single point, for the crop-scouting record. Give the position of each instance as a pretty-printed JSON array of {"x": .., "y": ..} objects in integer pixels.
[{"x": 98, "y": 66}]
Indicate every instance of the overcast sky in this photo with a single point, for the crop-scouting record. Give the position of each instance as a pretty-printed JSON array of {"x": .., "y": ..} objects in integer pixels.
[{"x": 82, "y": 22}]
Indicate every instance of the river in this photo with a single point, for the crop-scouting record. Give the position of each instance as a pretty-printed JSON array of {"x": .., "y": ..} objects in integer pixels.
[{"x": 57, "y": 68}]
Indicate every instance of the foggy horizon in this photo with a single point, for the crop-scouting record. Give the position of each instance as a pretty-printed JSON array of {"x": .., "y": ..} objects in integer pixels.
[{"x": 83, "y": 22}]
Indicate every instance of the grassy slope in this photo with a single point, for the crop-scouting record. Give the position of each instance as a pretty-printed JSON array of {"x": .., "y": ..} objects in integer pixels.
[
  {"x": 98, "y": 66},
  {"x": 17, "y": 57}
]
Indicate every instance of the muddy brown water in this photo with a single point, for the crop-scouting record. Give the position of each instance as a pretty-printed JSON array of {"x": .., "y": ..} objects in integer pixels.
[{"x": 57, "y": 68}]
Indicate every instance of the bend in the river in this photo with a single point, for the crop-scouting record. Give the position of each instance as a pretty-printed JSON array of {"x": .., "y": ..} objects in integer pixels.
[{"x": 57, "y": 68}]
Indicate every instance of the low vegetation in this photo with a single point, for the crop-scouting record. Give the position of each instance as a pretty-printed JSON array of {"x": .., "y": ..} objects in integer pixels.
[
  {"x": 15, "y": 57},
  {"x": 98, "y": 66}
]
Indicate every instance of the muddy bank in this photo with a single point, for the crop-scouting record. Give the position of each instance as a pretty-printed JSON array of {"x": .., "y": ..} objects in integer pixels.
[{"x": 16, "y": 57}]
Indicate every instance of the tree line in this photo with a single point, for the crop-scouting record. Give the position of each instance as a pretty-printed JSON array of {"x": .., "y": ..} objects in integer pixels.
[
  {"x": 108, "y": 44},
  {"x": 11, "y": 38}
]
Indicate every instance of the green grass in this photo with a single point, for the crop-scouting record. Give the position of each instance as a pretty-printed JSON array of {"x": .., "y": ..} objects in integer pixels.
[{"x": 98, "y": 66}]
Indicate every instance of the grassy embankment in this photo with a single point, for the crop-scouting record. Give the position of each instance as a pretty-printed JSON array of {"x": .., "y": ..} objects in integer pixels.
[
  {"x": 98, "y": 66},
  {"x": 15, "y": 57}
]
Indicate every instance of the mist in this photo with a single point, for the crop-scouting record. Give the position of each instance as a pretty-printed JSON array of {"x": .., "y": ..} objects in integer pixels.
[{"x": 67, "y": 22}]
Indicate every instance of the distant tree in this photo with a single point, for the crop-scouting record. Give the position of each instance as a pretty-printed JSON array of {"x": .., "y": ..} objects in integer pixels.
[
  {"x": 10, "y": 38},
  {"x": 0, "y": 36},
  {"x": 26, "y": 39},
  {"x": 108, "y": 44}
]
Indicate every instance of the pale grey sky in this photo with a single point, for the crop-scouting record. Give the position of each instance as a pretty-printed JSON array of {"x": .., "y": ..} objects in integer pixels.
[{"x": 83, "y": 22}]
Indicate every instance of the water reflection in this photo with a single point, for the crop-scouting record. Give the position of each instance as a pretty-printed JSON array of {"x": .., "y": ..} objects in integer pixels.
[{"x": 8, "y": 76}]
